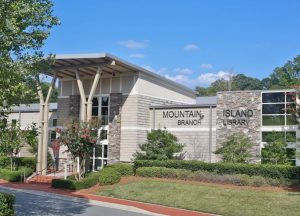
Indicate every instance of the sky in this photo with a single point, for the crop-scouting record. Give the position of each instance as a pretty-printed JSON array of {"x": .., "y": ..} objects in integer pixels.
[{"x": 193, "y": 42}]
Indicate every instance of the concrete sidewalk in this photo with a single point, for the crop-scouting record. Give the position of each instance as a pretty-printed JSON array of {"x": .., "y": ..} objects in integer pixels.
[{"x": 152, "y": 208}]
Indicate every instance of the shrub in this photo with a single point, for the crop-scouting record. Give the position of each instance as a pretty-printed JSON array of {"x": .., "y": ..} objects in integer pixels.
[
  {"x": 236, "y": 149},
  {"x": 125, "y": 169},
  {"x": 162, "y": 172},
  {"x": 109, "y": 176},
  {"x": 29, "y": 162},
  {"x": 90, "y": 180},
  {"x": 15, "y": 176},
  {"x": 160, "y": 145},
  {"x": 204, "y": 176},
  {"x": 6, "y": 204},
  {"x": 264, "y": 170}
]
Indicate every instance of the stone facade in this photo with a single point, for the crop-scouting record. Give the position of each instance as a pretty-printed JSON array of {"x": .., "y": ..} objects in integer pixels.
[
  {"x": 239, "y": 112},
  {"x": 114, "y": 136},
  {"x": 62, "y": 110},
  {"x": 74, "y": 106}
]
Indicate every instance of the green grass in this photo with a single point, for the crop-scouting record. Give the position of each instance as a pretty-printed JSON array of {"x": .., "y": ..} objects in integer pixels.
[{"x": 218, "y": 200}]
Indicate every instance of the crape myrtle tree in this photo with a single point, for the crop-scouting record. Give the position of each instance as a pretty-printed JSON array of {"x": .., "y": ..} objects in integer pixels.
[
  {"x": 160, "y": 145},
  {"x": 236, "y": 149},
  {"x": 80, "y": 139}
]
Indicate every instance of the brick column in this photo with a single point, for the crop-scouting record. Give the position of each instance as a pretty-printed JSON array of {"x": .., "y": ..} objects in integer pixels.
[{"x": 114, "y": 137}]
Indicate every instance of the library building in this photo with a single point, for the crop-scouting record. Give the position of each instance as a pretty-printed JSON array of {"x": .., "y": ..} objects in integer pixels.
[{"x": 131, "y": 101}]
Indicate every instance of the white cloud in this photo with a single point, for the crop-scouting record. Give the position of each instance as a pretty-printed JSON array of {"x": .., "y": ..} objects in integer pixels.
[
  {"x": 132, "y": 44},
  {"x": 137, "y": 55},
  {"x": 190, "y": 47},
  {"x": 206, "y": 66},
  {"x": 148, "y": 67},
  {"x": 184, "y": 76},
  {"x": 182, "y": 79},
  {"x": 208, "y": 78},
  {"x": 183, "y": 71}
]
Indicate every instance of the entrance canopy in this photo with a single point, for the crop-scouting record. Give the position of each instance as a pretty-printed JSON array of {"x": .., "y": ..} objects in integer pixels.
[{"x": 65, "y": 66}]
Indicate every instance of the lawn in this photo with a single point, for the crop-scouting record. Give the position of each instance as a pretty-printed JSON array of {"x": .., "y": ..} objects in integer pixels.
[{"x": 218, "y": 200}]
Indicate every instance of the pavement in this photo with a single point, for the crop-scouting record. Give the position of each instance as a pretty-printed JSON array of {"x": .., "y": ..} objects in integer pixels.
[{"x": 41, "y": 199}]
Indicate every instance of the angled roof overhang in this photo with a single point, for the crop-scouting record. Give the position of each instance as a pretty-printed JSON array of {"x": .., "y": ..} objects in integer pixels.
[{"x": 88, "y": 64}]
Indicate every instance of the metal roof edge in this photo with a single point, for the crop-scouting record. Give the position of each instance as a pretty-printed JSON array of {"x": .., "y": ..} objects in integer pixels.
[{"x": 138, "y": 68}]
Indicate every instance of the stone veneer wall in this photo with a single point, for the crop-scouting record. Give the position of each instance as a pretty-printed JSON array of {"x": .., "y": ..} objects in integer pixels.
[
  {"x": 74, "y": 106},
  {"x": 240, "y": 101},
  {"x": 62, "y": 111},
  {"x": 114, "y": 135}
]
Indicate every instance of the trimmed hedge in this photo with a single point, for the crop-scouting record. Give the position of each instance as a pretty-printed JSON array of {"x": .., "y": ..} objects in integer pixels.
[
  {"x": 204, "y": 176},
  {"x": 109, "y": 176},
  {"x": 125, "y": 169},
  {"x": 90, "y": 180},
  {"x": 112, "y": 174},
  {"x": 29, "y": 162},
  {"x": 15, "y": 176},
  {"x": 6, "y": 204},
  {"x": 264, "y": 170}
]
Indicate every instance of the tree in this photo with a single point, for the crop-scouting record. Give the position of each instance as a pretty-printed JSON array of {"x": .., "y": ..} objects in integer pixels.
[
  {"x": 11, "y": 142},
  {"x": 274, "y": 151},
  {"x": 80, "y": 139},
  {"x": 160, "y": 145},
  {"x": 239, "y": 82},
  {"x": 243, "y": 82},
  {"x": 284, "y": 77},
  {"x": 236, "y": 149},
  {"x": 24, "y": 26},
  {"x": 31, "y": 138}
]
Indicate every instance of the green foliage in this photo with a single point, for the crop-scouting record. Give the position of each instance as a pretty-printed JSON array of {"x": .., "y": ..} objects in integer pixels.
[
  {"x": 112, "y": 174},
  {"x": 6, "y": 204},
  {"x": 284, "y": 77},
  {"x": 274, "y": 150},
  {"x": 236, "y": 149},
  {"x": 125, "y": 169},
  {"x": 90, "y": 180},
  {"x": 238, "y": 82},
  {"x": 15, "y": 176},
  {"x": 11, "y": 142},
  {"x": 204, "y": 176},
  {"x": 24, "y": 27},
  {"x": 79, "y": 138},
  {"x": 31, "y": 138},
  {"x": 109, "y": 176},
  {"x": 28, "y": 162},
  {"x": 264, "y": 170},
  {"x": 161, "y": 145}
]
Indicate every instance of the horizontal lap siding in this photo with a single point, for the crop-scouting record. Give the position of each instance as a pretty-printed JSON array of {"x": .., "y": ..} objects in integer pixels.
[{"x": 135, "y": 122}]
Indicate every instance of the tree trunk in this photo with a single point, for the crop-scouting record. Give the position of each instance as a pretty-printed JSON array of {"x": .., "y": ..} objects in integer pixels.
[{"x": 11, "y": 163}]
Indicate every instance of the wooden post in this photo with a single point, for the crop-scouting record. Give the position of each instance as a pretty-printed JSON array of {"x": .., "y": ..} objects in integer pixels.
[
  {"x": 45, "y": 128},
  {"x": 82, "y": 95},
  {"x": 92, "y": 93},
  {"x": 40, "y": 126}
]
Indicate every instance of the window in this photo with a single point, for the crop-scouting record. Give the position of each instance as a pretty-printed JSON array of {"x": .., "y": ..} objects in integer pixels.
[
  {"x": 14, "y": 121},
  {"x": 104, "y": 110},
  {"x": 288, "y": 136},
  {"x": 54, "y": 122},
  {"x": 52, "y": 136},
  {"x": 276, "y": 108}
]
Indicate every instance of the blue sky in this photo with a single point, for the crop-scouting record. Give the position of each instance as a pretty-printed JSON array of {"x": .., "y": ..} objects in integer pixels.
[{"x": 193, "y": 42}]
